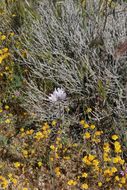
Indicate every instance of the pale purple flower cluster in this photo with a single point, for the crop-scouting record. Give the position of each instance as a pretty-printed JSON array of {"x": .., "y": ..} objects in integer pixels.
[
  {"x": 17, "y": 93},
  {"x": 123, "y": 172},
  {"x": 58, "y": 94}
]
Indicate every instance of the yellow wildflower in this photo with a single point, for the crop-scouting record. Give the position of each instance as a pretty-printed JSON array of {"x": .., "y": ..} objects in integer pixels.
[
  {"x": 106, "y": 157},
  {"x": 58, "y": 140},
  {"x": 2, "y": 178},
  {"x": 113, "y": 169},
  {"x": 99, "y": 184},
  {"x": 51, "y": 159},
  {"x": 45, "y": 126},
  {"x": 121, "y": 161},
  {"x": 98, "y": 133},
  {"x": 86, "y": 161},
  {"x": 115, "y": 160},
  {"x": 6, "y": 68},
  {"x": 39, "y": 164},
  {"x": 123, "y": 180},
  {"x": 67, "y": 157},
  {"x": 52, "y": 147},
  {"x": 95, "y": 162},
  {"x": 25, "y": 153},
  {"x": 84, "y": 186},
  {"x": 84, "y": 174},
  {"x": 92, "y": 126},
  {"x": 4, "y": 184},
  {"x": 3, "y": 37},
  {"x": 2, "y": 57},
  {"x": 57, "y": 171},
  {"x": 29, "y": 132},
  {"x": 1, "y": 74},
  {"x": 22, "y": 129},
  {"x": 17, "y": 164},
  {"x": 86, "y": 126},
  {"x": 115, "y": 137},
  {"x": 7, "y": 121},
  {"x": 106, "y": 147},
  {"x": 5, "y": 50},
  {"x": 71, "y": 182},
  {"x": 6, "y": 107},
  {"x": 87, "y": 135},
  {"x": 117, "y": 147},
  {"x": 39, "y": 135},
  {"x": 107, "y": 172},
  {"x": 108, "y": 179},
  {"x": 82, "y": 122},
  {"x": 14, "y": 15},
  {"x": 10, "y": 175},
  {"x": 12, "y": 34},
  {"x": 14, "y": 181},
  {"x": 120, "y": 185},
  {"x": 88, "y": 110},
  {"x": 75, "y": 145},
  {"x": 118, "y": 159},
  {"x": 54, "y": 122},
  {"x": 91, "y": 157},
  {"x": 56, "y": 155},
  {"x": 117, "y": 178}
]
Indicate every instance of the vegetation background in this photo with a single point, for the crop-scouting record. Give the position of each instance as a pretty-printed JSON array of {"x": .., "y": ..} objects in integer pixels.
[{"x": 63, "y": 100}]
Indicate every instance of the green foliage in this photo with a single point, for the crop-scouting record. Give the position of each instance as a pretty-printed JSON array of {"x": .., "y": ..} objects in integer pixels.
[{"x": 101, "y": 89}]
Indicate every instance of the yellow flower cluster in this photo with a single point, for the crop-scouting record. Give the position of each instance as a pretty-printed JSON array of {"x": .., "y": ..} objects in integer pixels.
[
  {"x": 94, "y": 135},
  {"x": 88, "y": 159},
  {"x": 73, "y": 164},
  {"x": 25, "y": 153},
  {"x": 72, "y": 182},
  {"x": 39, "y": 163},
  {"x": 57, "y": 171},
  {"x": 106, "y": 149},
  {"x": 91, "y": 160},
  {"x": 110, "y": 171},
  {"x": 17, "y": 164},
  {"x": 12, "y": 179},
  {"x": 85, "y": 186},
  {"x": 3, "y": 182},
  {"x": 6, "y": 60},
  {"x": 118, "y": 159},
  {"x": 2, "y": 37},
  {"x": 4, "y": 54},
  {"x": 117, "y": 147},
  {"x": 44, "y": 133}
]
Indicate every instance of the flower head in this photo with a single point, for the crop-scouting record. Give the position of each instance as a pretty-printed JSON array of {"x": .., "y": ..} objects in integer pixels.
[
  {"x": 71, "y": 182},
  {"x": 84, "y": 186},
  {"x": 114, "y": 137},
  {"x": 122, "y": 173},
  {"x": 58, "y": 94}
]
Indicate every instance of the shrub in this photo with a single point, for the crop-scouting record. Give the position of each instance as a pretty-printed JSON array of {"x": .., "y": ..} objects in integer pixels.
[{"x": 72, "y": 46}]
